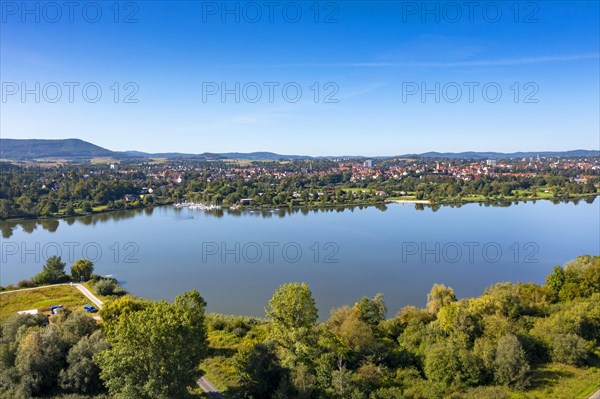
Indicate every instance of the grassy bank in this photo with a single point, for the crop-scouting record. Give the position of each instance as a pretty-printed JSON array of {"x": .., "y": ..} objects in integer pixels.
[
  {"x": 561, "y": 381},
  {"x": 40, "y": 298}
]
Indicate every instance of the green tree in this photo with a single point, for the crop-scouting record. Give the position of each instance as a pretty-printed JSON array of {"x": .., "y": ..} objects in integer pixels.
[
  {"x": 39, "y": 359},
  {"x": 82, "y": 374},
  {"x": 86, "y": 206},
  {"x": 341, "y": 381},
  {"x": 556, "y": 280},
  {"x": 439, "y": 296},
  {"x": 155, "y": 352},
  {"x": 82, "y": 268},
  {"x": 570, "y": 349},
  {"x": 511, "y": 366},
  {"x": 293, "y": 313},
  {"x": 451, "y": 364},
  {"x": 113, "y": 311},
  {"x": 69, "y": 210},
  {"x": 50, "y": 208},
  {"x": 259, "y": 370},
  {"x": 350, "y": 331},
  {"x": 52, "y": 273},
  {"x": 371, "y": 311}
]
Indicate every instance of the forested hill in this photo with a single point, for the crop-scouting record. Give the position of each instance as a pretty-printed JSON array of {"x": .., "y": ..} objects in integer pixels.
[
  {"x": 76, "y": 149},
  {"x": 36, "y": 149}
]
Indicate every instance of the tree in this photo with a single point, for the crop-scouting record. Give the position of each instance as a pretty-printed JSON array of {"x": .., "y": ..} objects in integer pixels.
[
  {"x": 82, "y": 268},
  {"x": 155, "y": 351},
  {"x": 39, "y": 359},
  {"x": 456, "y": 318},
  {"x": 387, "y": 393},
  {"x": 439, "y": 296},
  {"x": 113, "y": 311},
  {"x": 74, "y": 325},
  {"x": 570, "y": 349},
  {"x": 350, "y": 331},
  {"x": 82, "y": 375},
  {"x": 50, "y": 208},
  {"x": 556, "y": 280},
  {"x": 511, "y": 364},
  {"x": 52, "y": 273},
  {"x": 451, "y": 364},
  {"x": 87, "y": 207},
  {"x": 341, "y": 381},
  {"x": 370, "y": 376},
  {"x": 294, "y": 315},
  {"x": 69, "y": 210},
  {"x": 371, "y": 311},
  {"x": 259, "y": 370}
]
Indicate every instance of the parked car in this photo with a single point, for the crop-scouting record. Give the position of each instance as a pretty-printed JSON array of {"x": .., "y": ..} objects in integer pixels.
[
  {"x": 54, "y": 309},
  {"x": 90, "y": 309}
]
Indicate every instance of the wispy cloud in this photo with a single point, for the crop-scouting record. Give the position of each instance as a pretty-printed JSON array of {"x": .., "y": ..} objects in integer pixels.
[{"x": 442, "y": 64}]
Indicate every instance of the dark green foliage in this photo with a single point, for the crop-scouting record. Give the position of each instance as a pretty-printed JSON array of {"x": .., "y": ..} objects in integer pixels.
[
  {"x": 511, "y": 363},
  {"x": 293, "y": 313},
  {"x": 39, "y": 358},
  {"x": 570, "y": 349},
  {"x": 371, "y": 311},
  {"x": 82, "y": 374},
  {"x": 52, "y": 273},
  {"x": 82, "y": 269},
  {"x": 259, "y": 370},
  {"x": 450, "y": 364},
  {"x": 579, "y": 278},
  {"x": 108, "y": 287},
  {"x": 387, "y": 393},
  {"x": 155, "y": 351}
]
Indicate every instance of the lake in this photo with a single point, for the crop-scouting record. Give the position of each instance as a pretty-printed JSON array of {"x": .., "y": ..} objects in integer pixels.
[{"x": 238, "y": 259}]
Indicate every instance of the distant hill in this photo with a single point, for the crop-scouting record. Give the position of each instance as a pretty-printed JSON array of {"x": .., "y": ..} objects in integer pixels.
[
  {"x": 166, "y": 155},
  {"x": 254, "y": 156},
  {"x": 36, "y": 149},
  {"x": 502, "y": 155},
  {"x": 75, "y": 149}
]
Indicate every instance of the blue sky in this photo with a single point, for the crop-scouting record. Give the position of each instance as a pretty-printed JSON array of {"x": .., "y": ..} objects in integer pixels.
[{"x": 362, "y": 68}]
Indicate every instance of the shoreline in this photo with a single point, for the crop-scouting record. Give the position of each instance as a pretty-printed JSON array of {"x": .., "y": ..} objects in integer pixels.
[
  {"x": 409, "y": 201},
  {"x": 273, "y": 208}
]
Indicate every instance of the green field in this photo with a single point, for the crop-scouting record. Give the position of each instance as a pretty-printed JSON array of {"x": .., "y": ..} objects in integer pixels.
[
  {"x": 41, "y": 298},
  {"x": 561, "y": 381}
]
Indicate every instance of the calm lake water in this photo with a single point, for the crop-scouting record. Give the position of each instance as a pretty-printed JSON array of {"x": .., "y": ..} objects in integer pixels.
[{"x": 237, "y": 260}]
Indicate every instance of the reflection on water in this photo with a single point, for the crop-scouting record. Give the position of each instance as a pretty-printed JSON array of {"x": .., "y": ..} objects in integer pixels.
[
  {"x": 237, "y": 259},
  {"x": 51, "y": 225},
  {"x": 286, "y": 211},
  {"x": 29, "y": 226}
]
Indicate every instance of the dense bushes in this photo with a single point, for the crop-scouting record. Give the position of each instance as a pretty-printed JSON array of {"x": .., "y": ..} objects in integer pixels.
[
  {"x": 147, "y": 351},
  {"x": 453, "y": 349},
  {"x": 108, "y": 287},
  {"x": 38, "y": 358}
]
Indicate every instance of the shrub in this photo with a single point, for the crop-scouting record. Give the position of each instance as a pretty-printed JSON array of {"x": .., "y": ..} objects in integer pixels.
[
  {"x": 511, "y": 363},
  {"x": 106, "y": 287},
  {"x": 570, "y": 349},
  {"x": 452, "y": 365},
  {"x": 387, "y": 393},
  {"x": 25, "y": 284}
]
